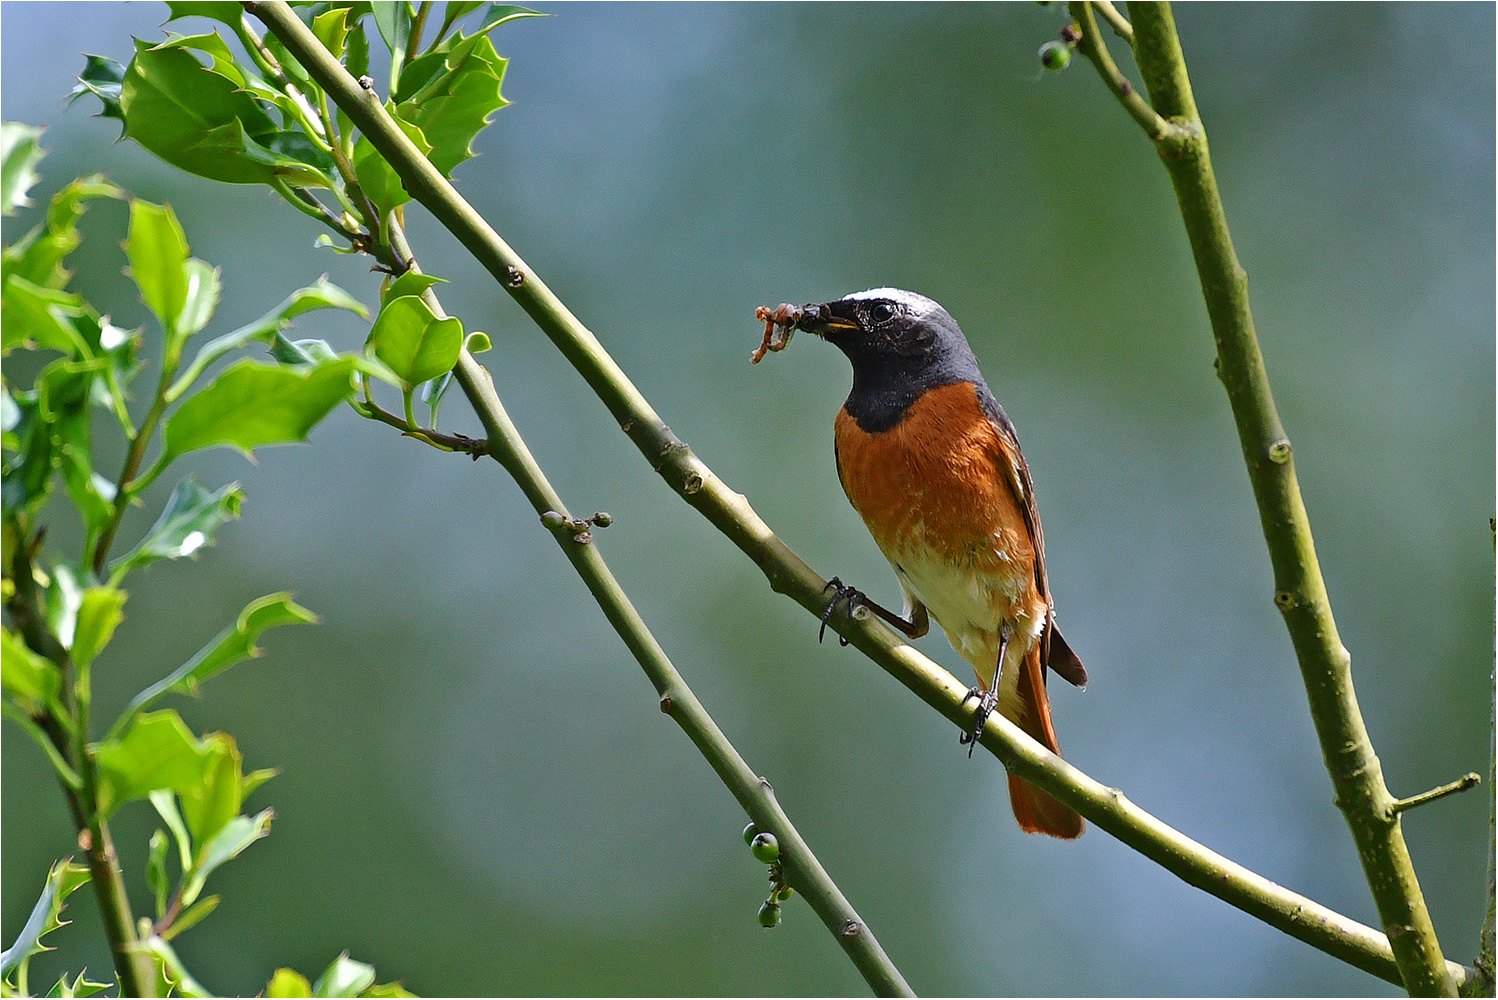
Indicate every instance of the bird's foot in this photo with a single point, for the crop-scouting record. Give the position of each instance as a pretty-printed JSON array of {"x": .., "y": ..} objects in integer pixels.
[
  {"x": 852, "y": 596},
  {"x": 987, "y": 702}
]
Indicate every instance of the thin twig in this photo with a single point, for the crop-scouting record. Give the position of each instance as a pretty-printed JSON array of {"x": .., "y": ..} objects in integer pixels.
[
  {"x": 804, "y": 872},
  {"x": 1469, "y": 780},
  {"x": 1092, "y": 46},
  {"x": 1120, "y": 24},
  {"x": 788, "y": 574}
]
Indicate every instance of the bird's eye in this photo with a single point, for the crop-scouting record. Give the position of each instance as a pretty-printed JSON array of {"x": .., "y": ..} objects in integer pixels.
[{"x": 881, "y": 312}]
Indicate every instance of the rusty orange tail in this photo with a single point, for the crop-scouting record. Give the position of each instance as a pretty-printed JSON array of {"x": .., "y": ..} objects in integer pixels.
[{"x": 1037, "y": 811}]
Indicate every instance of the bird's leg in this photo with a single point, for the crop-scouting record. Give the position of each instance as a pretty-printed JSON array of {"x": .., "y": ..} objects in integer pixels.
[
  {"x": 988, "y": 698},
  {"x": 918, "y": 626}
]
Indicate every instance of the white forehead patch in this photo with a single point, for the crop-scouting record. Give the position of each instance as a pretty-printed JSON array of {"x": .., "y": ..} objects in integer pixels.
[{"x": 911, "y": 301}]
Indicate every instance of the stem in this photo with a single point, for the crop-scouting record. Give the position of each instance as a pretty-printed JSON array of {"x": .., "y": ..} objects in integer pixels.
[
  {"x": 1093, "y": 47},
  {"x": 126, "y": 488},
  {"x": 418, "y": 25},
  {"x": 1300, "y": 592},
  {"x": 1469, "y": 780},
  {"x": 805, "y": 873},
  {"x": 1120, "y": 24},
  {"x": 788, "y": 574},
  {"x": 137, "y": 975}
]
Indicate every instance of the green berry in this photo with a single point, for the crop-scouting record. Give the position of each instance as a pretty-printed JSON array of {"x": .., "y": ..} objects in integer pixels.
[
  {"x": 765, "y": 847},
  {"x": 769, "y": 913},
  {"x": 1055, "y": 55},
  {"x": 553, "y": 520},
  {"x": 785, "y": 892},
  {"x": 750, "y": 832}
]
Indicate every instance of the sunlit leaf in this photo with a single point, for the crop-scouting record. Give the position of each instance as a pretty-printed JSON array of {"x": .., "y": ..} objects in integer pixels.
[
  {"x": 192, "y": 916},
  {"x": 331, "y": 28},
  {"x": 376, "y": 177},
  {"x": 19, "y": 154},
  {"x": 409, "y": 339},
  {"x": 157, "y": 249},
  {"x": 157, "y": 752},
  {"x": 225, "y": 845},
  {"x": 192, "y": 117},
  {"x": 321, "y": 295},
  {"x": 253, "y": 404},
  {"x": 188, "y": 523},
  {"x": 102, "y": 77},
  {"x": 46, "y": 916},
  {"x": 164, "y": 800},
  {"x": 99, "y": 614},
  {"x": 344, "y": 978},
  {"x": 27, "y": 676},
  {"x": 455, "y": 104},
  {"x": 287, "y": 984},
  {"x": 38, "y": 256},
  {"x": 233, "y": 645},
  {"x": 32, "y": 315},
  {"x": 79, "y": 986},
  {"x": 410, "y": 283},
  {"x": 228, "y": 13}
]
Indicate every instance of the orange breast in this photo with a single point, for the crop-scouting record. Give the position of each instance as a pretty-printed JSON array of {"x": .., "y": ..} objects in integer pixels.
[{"x": 935, "y": 488}]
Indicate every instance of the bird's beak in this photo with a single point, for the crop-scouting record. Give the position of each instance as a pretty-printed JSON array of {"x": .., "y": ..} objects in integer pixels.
[{"x": 821, "y": 320}]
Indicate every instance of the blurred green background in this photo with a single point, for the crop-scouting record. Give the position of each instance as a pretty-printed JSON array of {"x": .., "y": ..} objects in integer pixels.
[{"x": 479, "y": 794}]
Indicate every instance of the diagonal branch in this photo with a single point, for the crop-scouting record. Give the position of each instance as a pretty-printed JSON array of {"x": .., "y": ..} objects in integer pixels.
[
  {"x": 730, "y": 512},
  {"x": 1371, "y": 811},
  {"x": 1093, "y": 47},
  {"x": 803, "y": 871}
]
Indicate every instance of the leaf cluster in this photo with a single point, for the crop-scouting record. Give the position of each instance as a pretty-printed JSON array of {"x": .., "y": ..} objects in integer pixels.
[
  {"x": 62, "y": 609},
  {"x": 257, "y": 116}
]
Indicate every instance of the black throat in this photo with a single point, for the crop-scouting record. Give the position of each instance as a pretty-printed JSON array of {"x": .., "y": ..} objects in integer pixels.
[{"x": 885, "y": 387}]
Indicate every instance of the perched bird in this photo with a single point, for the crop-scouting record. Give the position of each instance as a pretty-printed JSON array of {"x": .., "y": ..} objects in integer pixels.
[{"x": 931, "y": 462}]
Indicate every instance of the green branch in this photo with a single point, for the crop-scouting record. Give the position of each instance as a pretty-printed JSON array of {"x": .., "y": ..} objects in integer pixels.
[
  {"x": 804, "y": 872},
  {"x": 1371, "y": 811},
  {"x": 788, "y": 574}
]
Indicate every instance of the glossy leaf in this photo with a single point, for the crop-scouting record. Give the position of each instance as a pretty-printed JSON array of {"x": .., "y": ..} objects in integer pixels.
[
  {"x": 455, "y": 105},
  {"x": 321, "y": 295},
  {"x": 192, "y": 117},
  {"x": 410, "y": 283},
  {"x": 30, "y": 678},
  {"x": 376, "y": 177},
  {"x": 158, "y": 752},
  {"x": 344, "y": 978},
  {"x": 413, "y": 343},
  {"x": 253, "y": 404},
  {"x": 189, "y": 521},
  {"x": 203, "y": 289},
  {"x": 19, "y": 154},
  {"x": 38, "y": 256},
  {"x": 165, "y": 803},
  {"x": 79, "y": 986},
  {"x": 331, "y": 28},
  {"x": 393, "y": 19},
  {"x": 233, "y": 645},
  {"x": 287, "y": 983},
  {"x": 104, "y": 78},
  {"x": 228, "y": 843},
  {"x": 157, "y": 249},
  {"x": 99, "y": 614},
  {"x": 226, "y": 12},
  {"x": 34, "y": 316},
  {"x": 63, "y": 880}
]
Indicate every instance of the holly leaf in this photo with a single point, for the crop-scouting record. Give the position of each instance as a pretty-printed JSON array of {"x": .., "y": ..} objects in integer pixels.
[
  {"x": 233, "y": 645},
  {"x": 413, "y": 343},
  {"x": 104, "y": 78},
  {"x": 455, "y": 104},
  {"x": 19, "y": 154},
  {"x": 253, "y": 404},
  {"x": 189, "y": 521},
  {"x": 46, "y": 916}
]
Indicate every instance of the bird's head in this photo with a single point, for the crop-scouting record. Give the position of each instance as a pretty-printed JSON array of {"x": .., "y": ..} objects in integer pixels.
[{"x": 899, "y": 343}]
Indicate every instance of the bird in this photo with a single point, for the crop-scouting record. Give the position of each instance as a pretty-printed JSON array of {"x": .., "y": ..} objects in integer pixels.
[{"x": 931, "y": 462}]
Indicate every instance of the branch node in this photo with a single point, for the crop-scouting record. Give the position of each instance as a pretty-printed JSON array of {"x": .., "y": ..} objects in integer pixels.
[
  {"x": 666, "y": 703},
  {"x": 1279, "y": 451},
  {"x": 1469, "y": 780},
  {"x": 514, "y": 277},
  {"x": 852, "y": 929},
  {"x": 1284, "y": 600}
]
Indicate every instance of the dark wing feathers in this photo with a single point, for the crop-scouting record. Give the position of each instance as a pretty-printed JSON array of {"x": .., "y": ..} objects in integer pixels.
[{"x": 1055, "y": 652}]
